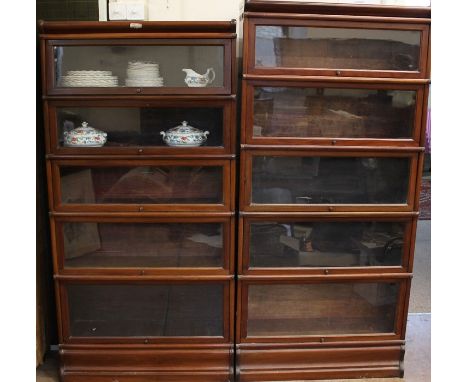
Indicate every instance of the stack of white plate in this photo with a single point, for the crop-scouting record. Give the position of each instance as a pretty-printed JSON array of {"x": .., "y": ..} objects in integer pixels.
[
  {"x": 89, "y": 78},
  {"x": 143, "y": 73}
]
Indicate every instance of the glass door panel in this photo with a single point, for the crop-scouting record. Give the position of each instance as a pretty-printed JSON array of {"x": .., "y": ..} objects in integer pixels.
[
  {"x": 149, "y": 310},
  {"x": 108, "y": 64},
  {"x": 135, "y": 245},
  {"x": 295, "y": 244},
  {"x": 314, "y": 47},
  {"x": 142, "y": 126},
  {"x": 318, "y": 112},
  {"x": 321, "y": 309},
  {"x": 329, "y": 180},
  {"x": 144, "y": 184}
]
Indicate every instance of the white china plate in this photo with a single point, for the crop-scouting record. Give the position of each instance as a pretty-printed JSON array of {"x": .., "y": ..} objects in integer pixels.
[{"x": 70, "y": 145}]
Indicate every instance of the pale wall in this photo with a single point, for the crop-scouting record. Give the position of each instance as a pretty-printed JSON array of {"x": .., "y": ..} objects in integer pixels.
[
  {"x": 187, "y": 10},
  {"x": 191, "y": 10}
]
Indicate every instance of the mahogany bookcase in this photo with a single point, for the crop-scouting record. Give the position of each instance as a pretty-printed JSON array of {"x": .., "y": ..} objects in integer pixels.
[
  {"x": 334, "y": 104},
  {"x": 143, "y": 234}
]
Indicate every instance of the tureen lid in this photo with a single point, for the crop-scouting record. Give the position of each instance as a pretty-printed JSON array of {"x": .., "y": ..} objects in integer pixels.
[
  {"x": 184, "y": 129},
  {"x": 84, "y": 129}
]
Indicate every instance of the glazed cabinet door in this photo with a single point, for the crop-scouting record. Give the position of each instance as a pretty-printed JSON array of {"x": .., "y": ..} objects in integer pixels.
[
  {"x": 308, "y": 112},
  {"x": 322, "y": 311},
  {"x": 325, "y": 245},
  {"x": 166, "y": 127},
  {"x": 307, "y": 46},
  {"x": 139, "y": 66},
  {"x": 142, "y": 185},
  {"x": 302, "y": 180},
  {"x": 144, "y": 246},
  {"x": 146, "y": 312}
]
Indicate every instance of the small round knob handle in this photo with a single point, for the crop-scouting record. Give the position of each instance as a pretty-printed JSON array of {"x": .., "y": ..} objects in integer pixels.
[
  {"x": 146, "y": 341},
  {"x": 140, "y": 151},
  {"x": 326, "y": 271},
  {"x": 142, "y": 272},
  {"x": 338, "y": 72},
  {"x": 330, "y": 208},
  {"x": 140, "y": 209},
  {"x": 334, "y": 142},
  {"x": 138, "y": 90},
  {"x": 322, "y": 340}
]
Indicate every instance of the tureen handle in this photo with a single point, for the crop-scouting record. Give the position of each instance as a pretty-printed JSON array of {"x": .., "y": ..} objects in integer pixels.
[
  {"x": 213, "y": 75},
  {"x": 206, "y": 133},
  {"x": 162, "y": 133},
  {"x": 84, "y": 124}
]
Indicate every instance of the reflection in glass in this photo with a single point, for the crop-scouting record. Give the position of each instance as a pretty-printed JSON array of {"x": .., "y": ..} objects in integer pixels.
[
  {"x": 333, "y": 112},
  {"x": 126, "y": 127},
  {"x": 326, "y": 244},
  {"x": 329, "y": 180},
  {"x": 336, "y": 48},
  {"x": 137, "y": 65},
  {"x": 143, "y": 184},
  {"x": 120, "y": 245},
  {"x": 321, "y": 309},
  {"x": 161, "y": 310}
]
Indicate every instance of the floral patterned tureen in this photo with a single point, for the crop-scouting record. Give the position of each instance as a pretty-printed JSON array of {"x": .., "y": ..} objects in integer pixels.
[
  {"x": 184, "y": 136},
  {"x": 85, "y": 136}
]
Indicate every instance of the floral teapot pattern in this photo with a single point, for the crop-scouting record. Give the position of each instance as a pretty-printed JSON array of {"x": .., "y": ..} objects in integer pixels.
[
  {"x": 85, "y": 136},
  {"x": 195, "y": 80},
  {"x": 184, "y": 136}
]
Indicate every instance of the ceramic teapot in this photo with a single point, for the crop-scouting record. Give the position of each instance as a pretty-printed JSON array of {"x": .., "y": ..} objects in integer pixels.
[
  {"x": 184, "y": 136},
  {"x": 195, "y": 80},
  {"x": 84, "y": 136}
]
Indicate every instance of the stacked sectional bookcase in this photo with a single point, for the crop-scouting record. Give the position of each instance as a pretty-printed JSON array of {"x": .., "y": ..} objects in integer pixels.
[
  {"x": 142, "y": 233},
  {"x": 334, "y": 102}
]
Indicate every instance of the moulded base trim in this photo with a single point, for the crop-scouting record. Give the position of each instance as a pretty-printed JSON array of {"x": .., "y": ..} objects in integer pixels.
[
  {"x": 147, "y": 377},
  {"x": 279, "y": 363},
  {"x": 190, "y": 363}
]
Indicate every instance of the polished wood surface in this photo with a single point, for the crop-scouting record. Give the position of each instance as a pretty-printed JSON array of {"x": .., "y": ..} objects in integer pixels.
[
  {"x": 312, "y": 362},
  {"x": 144, "y": 280},
  {"x": 86, "y": 27},
  {"x": 248, "y": 156},
  {"x": 141, "y": 185},
  {"x": 283, "y": 254},
  {"x": 288, "y": 318},
  {"x": 336, "y": 8},
  {"x": 343, "y": 68},
  {"x": 294, "y": 322},
  {"x": 146, "y": 118},
  {"x": 128, "y": 238},
  {"x": 53, "y": 86},
  {"x": 336, "y": 119},
  {"x": 141, "y": 363}
]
